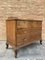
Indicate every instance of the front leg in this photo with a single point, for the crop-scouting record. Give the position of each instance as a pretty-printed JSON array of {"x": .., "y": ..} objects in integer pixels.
[
  {"x": 41, "y": 42},
  {"x": 15, "y": 53},
  {"x": 7, "y": 45}
]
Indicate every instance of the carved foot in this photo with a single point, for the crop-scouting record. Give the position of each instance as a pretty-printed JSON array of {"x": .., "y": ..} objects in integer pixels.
[
  {"x": 41, "y": 42},
  {"x": 15, "y": 53},
  {"x": 7, "y": 45}
]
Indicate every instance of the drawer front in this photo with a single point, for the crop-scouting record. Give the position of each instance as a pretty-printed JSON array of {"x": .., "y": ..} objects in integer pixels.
[{"x": 29, "y": 24}]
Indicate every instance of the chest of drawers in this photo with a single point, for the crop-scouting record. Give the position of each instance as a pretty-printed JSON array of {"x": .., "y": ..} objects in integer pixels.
[{"x": 22, "y": 32}]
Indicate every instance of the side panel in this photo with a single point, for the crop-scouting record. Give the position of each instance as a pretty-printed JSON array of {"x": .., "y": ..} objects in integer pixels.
[{"x": 11, "y": 28}]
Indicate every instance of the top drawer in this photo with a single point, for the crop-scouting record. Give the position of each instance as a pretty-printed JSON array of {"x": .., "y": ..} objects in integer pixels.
[
  {"x": 32, "y": 25},
  {"x": 24, "y": 24}
]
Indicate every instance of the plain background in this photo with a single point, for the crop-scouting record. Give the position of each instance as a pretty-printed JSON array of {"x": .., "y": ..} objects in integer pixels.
[{"x": 29, "y": 9}]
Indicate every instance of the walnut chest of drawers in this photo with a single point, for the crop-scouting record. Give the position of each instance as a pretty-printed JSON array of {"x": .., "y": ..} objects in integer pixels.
[{"x": 22, "y": 32}]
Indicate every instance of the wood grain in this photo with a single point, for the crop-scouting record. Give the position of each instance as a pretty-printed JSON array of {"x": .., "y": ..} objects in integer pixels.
[{"x": 22, "y": 32}]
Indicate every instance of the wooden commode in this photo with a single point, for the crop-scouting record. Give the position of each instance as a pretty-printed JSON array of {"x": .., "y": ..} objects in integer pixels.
[{"x": 22, "y": 32}]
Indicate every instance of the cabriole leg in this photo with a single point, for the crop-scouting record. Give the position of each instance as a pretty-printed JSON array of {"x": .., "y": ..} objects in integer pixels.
[
  {"x": 15, "y": 53},
  {"x": 7, "y": 45},
  {"x": 41, "y": 42}
]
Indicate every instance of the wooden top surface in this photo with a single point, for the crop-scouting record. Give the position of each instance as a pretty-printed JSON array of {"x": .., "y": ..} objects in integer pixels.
[{"x": 17, "y": 19}]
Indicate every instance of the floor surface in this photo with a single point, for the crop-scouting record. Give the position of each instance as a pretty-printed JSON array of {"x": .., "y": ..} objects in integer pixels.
[{"x": 34, "y": 51}]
